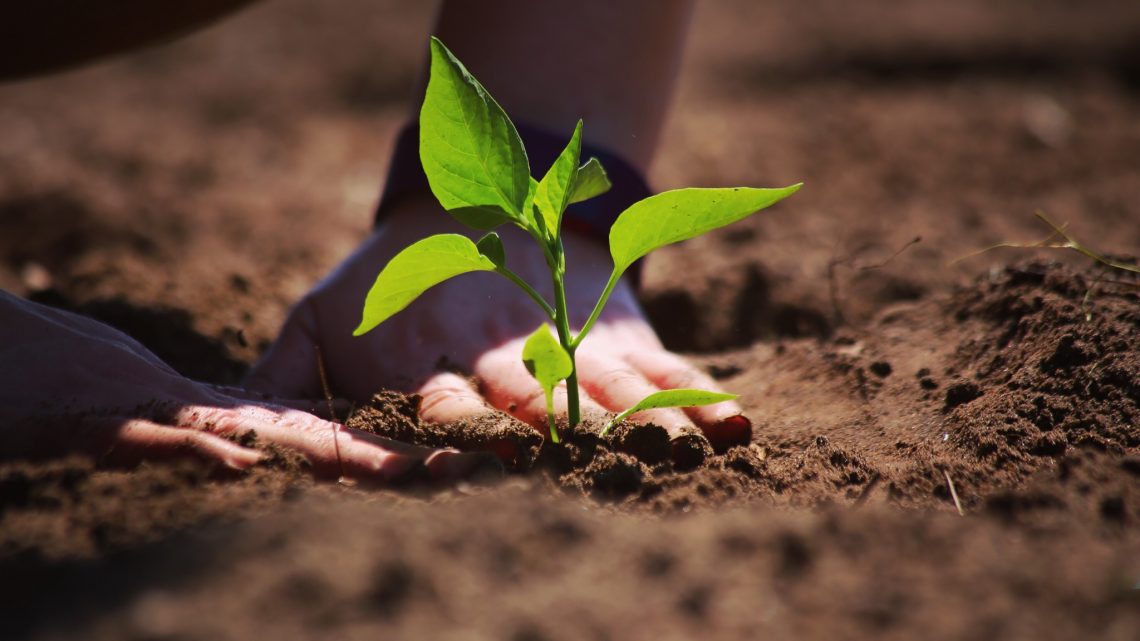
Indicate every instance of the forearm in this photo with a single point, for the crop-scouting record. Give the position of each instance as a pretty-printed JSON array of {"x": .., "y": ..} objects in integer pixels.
[
  {"x": 613, "y": 64},
  {"x": 40, "y": 36}
]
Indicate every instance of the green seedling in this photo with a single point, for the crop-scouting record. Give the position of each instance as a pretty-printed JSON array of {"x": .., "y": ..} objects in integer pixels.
[{"x": 478, "y": 170}]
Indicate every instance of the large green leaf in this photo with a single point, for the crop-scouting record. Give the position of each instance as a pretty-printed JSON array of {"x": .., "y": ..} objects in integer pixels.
[
  {"x": 471, "y": 152},
  {"x": 677, "y": 215},
  {"x": 591, "y": 181},
  {"x": 417, "y": 268},
  {"x": 549, "y": 364},
  {"x": 671, "y": 398},
  {"x": 553, "y": 192}
]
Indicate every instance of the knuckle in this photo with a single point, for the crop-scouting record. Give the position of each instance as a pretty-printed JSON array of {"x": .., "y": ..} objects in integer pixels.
[
  {"x": 618, "y": 377},
  {"x": 437, "y": 396}
]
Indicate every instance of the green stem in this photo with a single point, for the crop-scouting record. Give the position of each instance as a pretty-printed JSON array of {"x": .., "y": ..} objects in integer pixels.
[
  {"x": 562, "y": 324},
  {"x": 535, "y": 296},
  {"x": 602, "y": 300},
  {"x": 550, "y": 417}
]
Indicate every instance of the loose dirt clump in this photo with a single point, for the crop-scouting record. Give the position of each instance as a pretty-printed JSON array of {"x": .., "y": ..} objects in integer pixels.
[{"x": 1057, "y": 370}]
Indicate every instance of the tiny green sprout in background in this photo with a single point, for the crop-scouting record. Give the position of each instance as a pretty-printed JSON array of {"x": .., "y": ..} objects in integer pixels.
[{"x": 479, "y": 172}]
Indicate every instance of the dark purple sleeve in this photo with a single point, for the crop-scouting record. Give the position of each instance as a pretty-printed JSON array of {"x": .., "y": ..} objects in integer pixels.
[{"x": 591, "y": 218}]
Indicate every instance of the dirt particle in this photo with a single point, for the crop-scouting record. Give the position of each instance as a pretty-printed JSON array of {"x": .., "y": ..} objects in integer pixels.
[
  {"x": 657, "y": 564},
  {"x": 1068, "y": 354},
  {"x": 690, "y": 450},
  {"x": 1112, "y": 508},
  {"x": 1131, "y": 464},
  {"x": 795, "y": 557},
  {"x": 749, "y": 461},
  {"x": 391, "y": 585},
  {"x": 694, "y": 601},
  {"x": 614, "y": 475},
  {"x": 961, "y": 393},
  {"x": 882, "y": 369},
  {"x": 648, "y": 443}
]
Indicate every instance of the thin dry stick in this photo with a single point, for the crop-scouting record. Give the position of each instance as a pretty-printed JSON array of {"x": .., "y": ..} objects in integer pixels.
[
  {"x": 849, "y": 262},
  {"x": 1076, "y": 245},
  {"x": 953, "y": 493},
  {"x": 1071, "y": 242},
  {"x": 332, "y": 413}
]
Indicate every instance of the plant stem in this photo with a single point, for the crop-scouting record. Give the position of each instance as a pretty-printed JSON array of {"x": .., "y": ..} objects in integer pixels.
[
  {"x": 550, "y": 417},
  {"x": 562, "y": 324},
  {"x": 602, "y": 300},
  {"x": 516, "y": 279}
]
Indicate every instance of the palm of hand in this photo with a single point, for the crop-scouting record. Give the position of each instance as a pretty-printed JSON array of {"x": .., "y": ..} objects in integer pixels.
[{"x": 477, "y": 324}]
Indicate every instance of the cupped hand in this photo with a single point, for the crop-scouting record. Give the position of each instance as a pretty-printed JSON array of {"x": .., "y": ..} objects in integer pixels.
[
  {"x": 459, "y": 345},
  {"x": 69, "y": 384}
]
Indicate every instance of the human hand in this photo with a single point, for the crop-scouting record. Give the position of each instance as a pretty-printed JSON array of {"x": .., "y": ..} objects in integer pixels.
[
  {"x": 70, "y": 384},
  {"x": 478, "y": 324}
]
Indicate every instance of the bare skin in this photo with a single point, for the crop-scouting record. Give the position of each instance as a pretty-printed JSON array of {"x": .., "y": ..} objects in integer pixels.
[
  {"x": 477, "y": 324},
  {"x": 612, "y": 64},
  {"x": 72, "y": 385}
]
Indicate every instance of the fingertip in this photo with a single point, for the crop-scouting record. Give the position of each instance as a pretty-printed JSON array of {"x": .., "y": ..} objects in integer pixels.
[
  {"x": 244, "y": 460},
  {"x": 448, "y": 397},
  {"x": 691, "y": 448},
  {"x": 477, "y": 467},
  {"x": 729, "y": 432}
]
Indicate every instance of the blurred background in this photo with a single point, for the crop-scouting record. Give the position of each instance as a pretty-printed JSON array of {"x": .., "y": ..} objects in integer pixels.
[{"x": 190, "y": 192}]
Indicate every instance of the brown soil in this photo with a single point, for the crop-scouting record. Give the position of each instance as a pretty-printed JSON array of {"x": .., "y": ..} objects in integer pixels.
[{"x": 881, "y": 383}]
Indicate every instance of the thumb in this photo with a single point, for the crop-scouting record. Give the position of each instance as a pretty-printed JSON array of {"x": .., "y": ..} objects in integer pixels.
[{"x": 291, "y": 366}]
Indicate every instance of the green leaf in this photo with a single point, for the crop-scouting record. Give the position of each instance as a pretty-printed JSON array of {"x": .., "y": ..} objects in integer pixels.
[
  {"x": 671, "y": 398},
  {"x": 545, "y": 359},
  {"x": 417, "y": 268},
  {"x": 532, "y": 219},
  {"x": 549, "y": 364},
  {"x": 553, "y": 191},
  {"x": 677, "y": 215},
  {"x": 491, "y": 246},
  {"x": 591, "y": 181},
  {"x": 472, "y": 155}
]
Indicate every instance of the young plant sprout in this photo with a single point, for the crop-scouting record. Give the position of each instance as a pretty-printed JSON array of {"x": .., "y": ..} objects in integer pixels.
[{"x": 478, "y": 170}]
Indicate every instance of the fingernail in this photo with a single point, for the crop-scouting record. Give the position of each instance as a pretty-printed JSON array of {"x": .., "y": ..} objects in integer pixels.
[{"x": 729, "y": 432}]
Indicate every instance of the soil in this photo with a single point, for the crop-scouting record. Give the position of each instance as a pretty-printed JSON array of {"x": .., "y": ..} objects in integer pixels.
[{"x": 944, "y": 450}]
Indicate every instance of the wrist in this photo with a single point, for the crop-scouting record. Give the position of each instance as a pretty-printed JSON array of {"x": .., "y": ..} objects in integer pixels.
[{"x": 592, "y": 218}]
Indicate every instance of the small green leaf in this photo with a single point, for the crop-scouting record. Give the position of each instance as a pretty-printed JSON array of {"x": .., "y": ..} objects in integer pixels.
[
  {"x": 591, "y": 181},
  {"x": 532, "y": 218},
  {"x": 472, "y": 154},
  {"x": 553, "y": 191},
  {"x": 549, "y": 364},
  {"x": 677, "y": 215},
  {"x": 491, "y": 246},
  {"x": 417, "y": 268},
  {"x": 671, "y": 398},
  {"x": 545, "y": 359}
]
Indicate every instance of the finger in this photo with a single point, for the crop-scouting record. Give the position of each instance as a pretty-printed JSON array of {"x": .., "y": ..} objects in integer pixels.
[
  {"x": 508, "y": 386},
  {"x": 138, "y": 439},
  {"x": 448, "y": 397},
  {"x": 290, "y": 368},
  {"x": 407, "y": 462},
  {"x": 353, "y": 454},
  {"x": 617, "y": 386},
  {"x": 723, "y": 423},
  {"x": 330, "y": 448}
]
